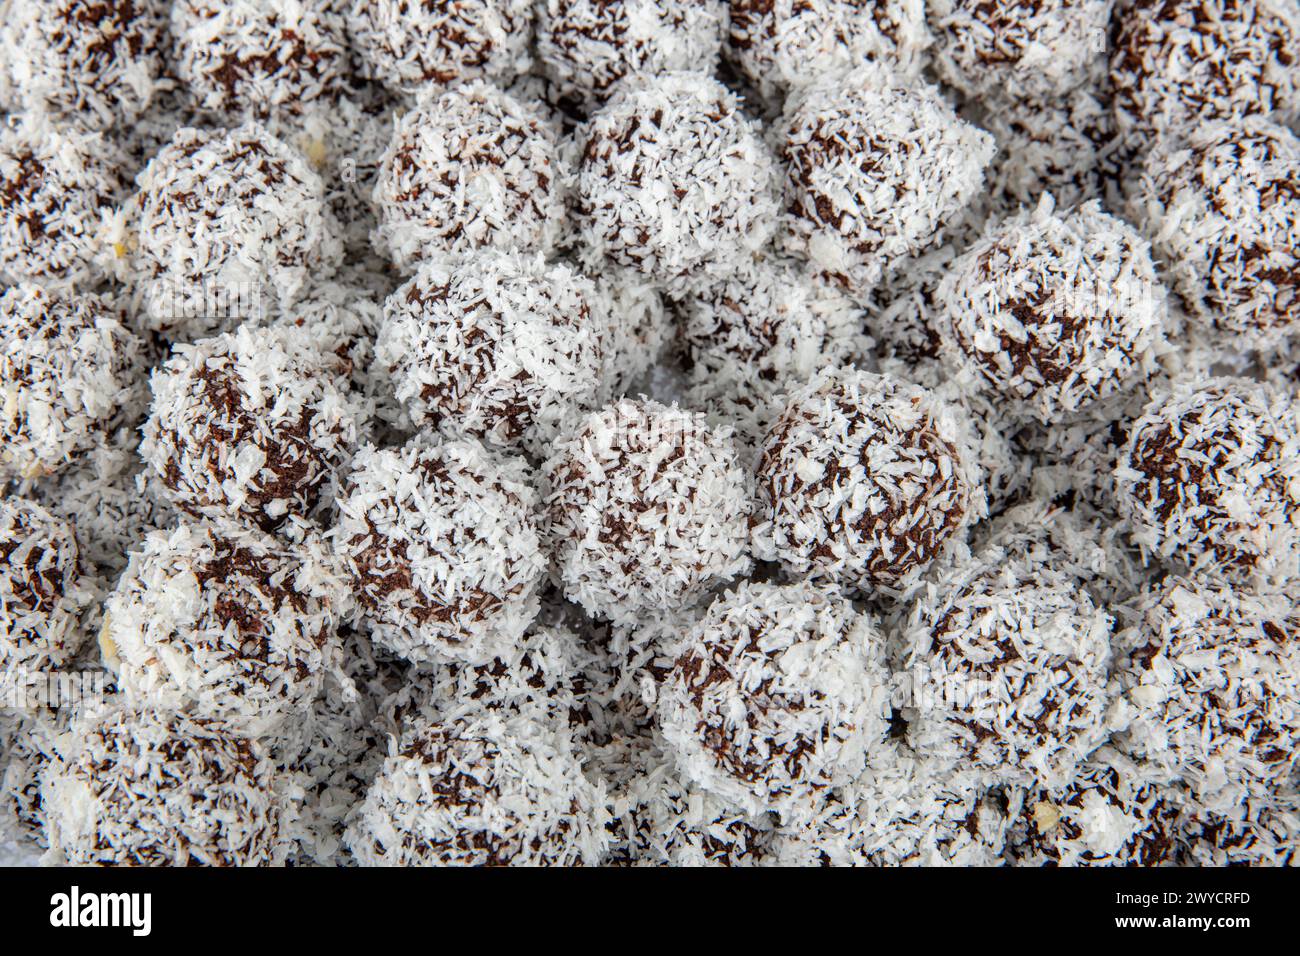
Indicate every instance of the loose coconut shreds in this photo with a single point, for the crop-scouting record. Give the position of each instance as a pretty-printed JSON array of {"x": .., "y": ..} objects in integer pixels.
[
  {"x": 414, "y": 46},
  {"x": 1039, "y": 50},
  {"x": 1258, "y": 832},
  {"x": 229, "y": 624},
  {"x": 777, "y": 695},
  {"x": 862, "y": 481},
  {"x": 498, "y": 346},
  {"x": 875, "y": 165},
  {"x": 490, "y": 791},
  {"x": 640, "y": 328},
  {"x": 588, "y": 46},
  {"x": 139, "y": 788},
  {"x": 1209, "y": 479},
  {"x": 1212, "y": 690},
  {"x": 472, "y": 168},
  {"x": 258, "y": 58},
  {"x": 57, "y": 188},
  {"x": 1223, "y": 210},
  {"x": 98, "y": 63},
  {"x": 674, "y": 181},
  {"x": 69, "y": 373},
  {"x": 647, "y": 508},
  {"x": 440, "y": 541},
  {"x": 1175, "y": 64},
  {"x": 226, "y": 225},
  {"x": 780, "y": 45},
  {"x": 1053, "y": 311}
]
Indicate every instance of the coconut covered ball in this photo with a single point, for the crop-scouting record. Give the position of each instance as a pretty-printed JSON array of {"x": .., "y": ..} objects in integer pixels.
[
  {"x": 490, "y": 791},
  {"x": 1053, "y": 311},
  {"x": 142, "y": 788},
  {"x": 587, "y": 46},
  {"x": 57, "y": 189},
  {"x": 223, "y": 623},
  {"x": 248, "y": 425},
  {"x": 1210, "y": 478},
  {"x": 875, "y": 165},
  {"x": 469, "y": 169},
  {"x": 227, "y": 224},
  {"x": 89, "y": 62},
  {"x": 1223, "y": 210},
  {"x": 1177, "y": 63},
  {"x": 1212, "y": 689},
  {"x": 1023, "y": 51},
  {"x": 441, "y": 546},
  {"x": 415, "y": 47},
  {"x": 259, "y": 58},
  {"x": 780, "y": 45},
  {"x": 647, "y": 508},
  {"x": 1262, "y": 831},
  {"x": 69, "y": 371},
  {"x": 776, "y": 694},
  {"x": 862, "y": 481},
  {"x": 498, "y": 346},
  {"x": 674, "y": 181}
]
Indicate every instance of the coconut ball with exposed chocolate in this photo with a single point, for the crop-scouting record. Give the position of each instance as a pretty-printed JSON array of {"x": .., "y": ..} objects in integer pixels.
[
  {"x": 863, "y": 480},
  {"x": 647, "y": 508},
  {"x": 69, "y": 373},
  {"x": 472, "y": 168},
  {"x": 57, "y": 189},
  {"x": 1210, "y": 478},
  {"x": 226, "y": 225},
  {"x": 260, "y": 58},
  {"x": 1223, "y": 210},
  {"x": 1053, "y": 311},
  {"x": 148, "y": 788},
  {"x": 1260, "y": 831},
  {"x": 499, "y": 346},
  {"x": 1211, "y": 688},
  {"x": 97, "y": 63},
  {"x": 875, "y": 166},
  {"x": 777, "y": 694},
  {"x": 495, "y": 790},
  {"x": 441, "y": 545},
  {"x": 587, "y": 46},
  {"x": 674, "y": 181},
  {"x": 248, "y": 425},
  {"x": 416, "y": 46}
]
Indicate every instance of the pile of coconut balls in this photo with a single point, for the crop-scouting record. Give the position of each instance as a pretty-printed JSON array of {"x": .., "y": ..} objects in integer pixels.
[{"x": 650, "y": 432}]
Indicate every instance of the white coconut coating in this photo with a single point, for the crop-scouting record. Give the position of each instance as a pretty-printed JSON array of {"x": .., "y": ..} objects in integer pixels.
[
  {"x": 780, "y": 45},
  {"x": 26, "y": 740},
  {"x": 1210, "y": 478},
  {"x": 862, "y": 481},
  {"x": 777, "y": 694},
  {"x": 674, "y": 181},
  {"x": 875, "y": 165},
  {"x": 414, "y": 47},
  {"x": 139, "y": 788},
  {"x": 441, "y": 545},
  {"x": 647, "y": 508},
  {"x": 471, "y": 168},
  {"x": 587, "y": 46},
  {"x": 226, "y": 225},
  {"x": 96, "y": 63},
  {"x": 1223, "y": 210},
  {"x": 58, "y": 185},
  {"x": 498, "y": 346},
  {"x": 1212, "y": 689},
  {"x": 1261, "y": 831},
  {"x": 1035, "y": 50},
  {"x": 494, "y": 791},
  {"x": 1053, "y": 310},
  {"x": 1176, "y": 63},
  {"x": 69, "y": 372},
  {"x": 248, "y": 425},
  {"x": 222, "y": 623},
  {"x": 640, "y": 329},
  {"x": 259, "y": 58}
]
